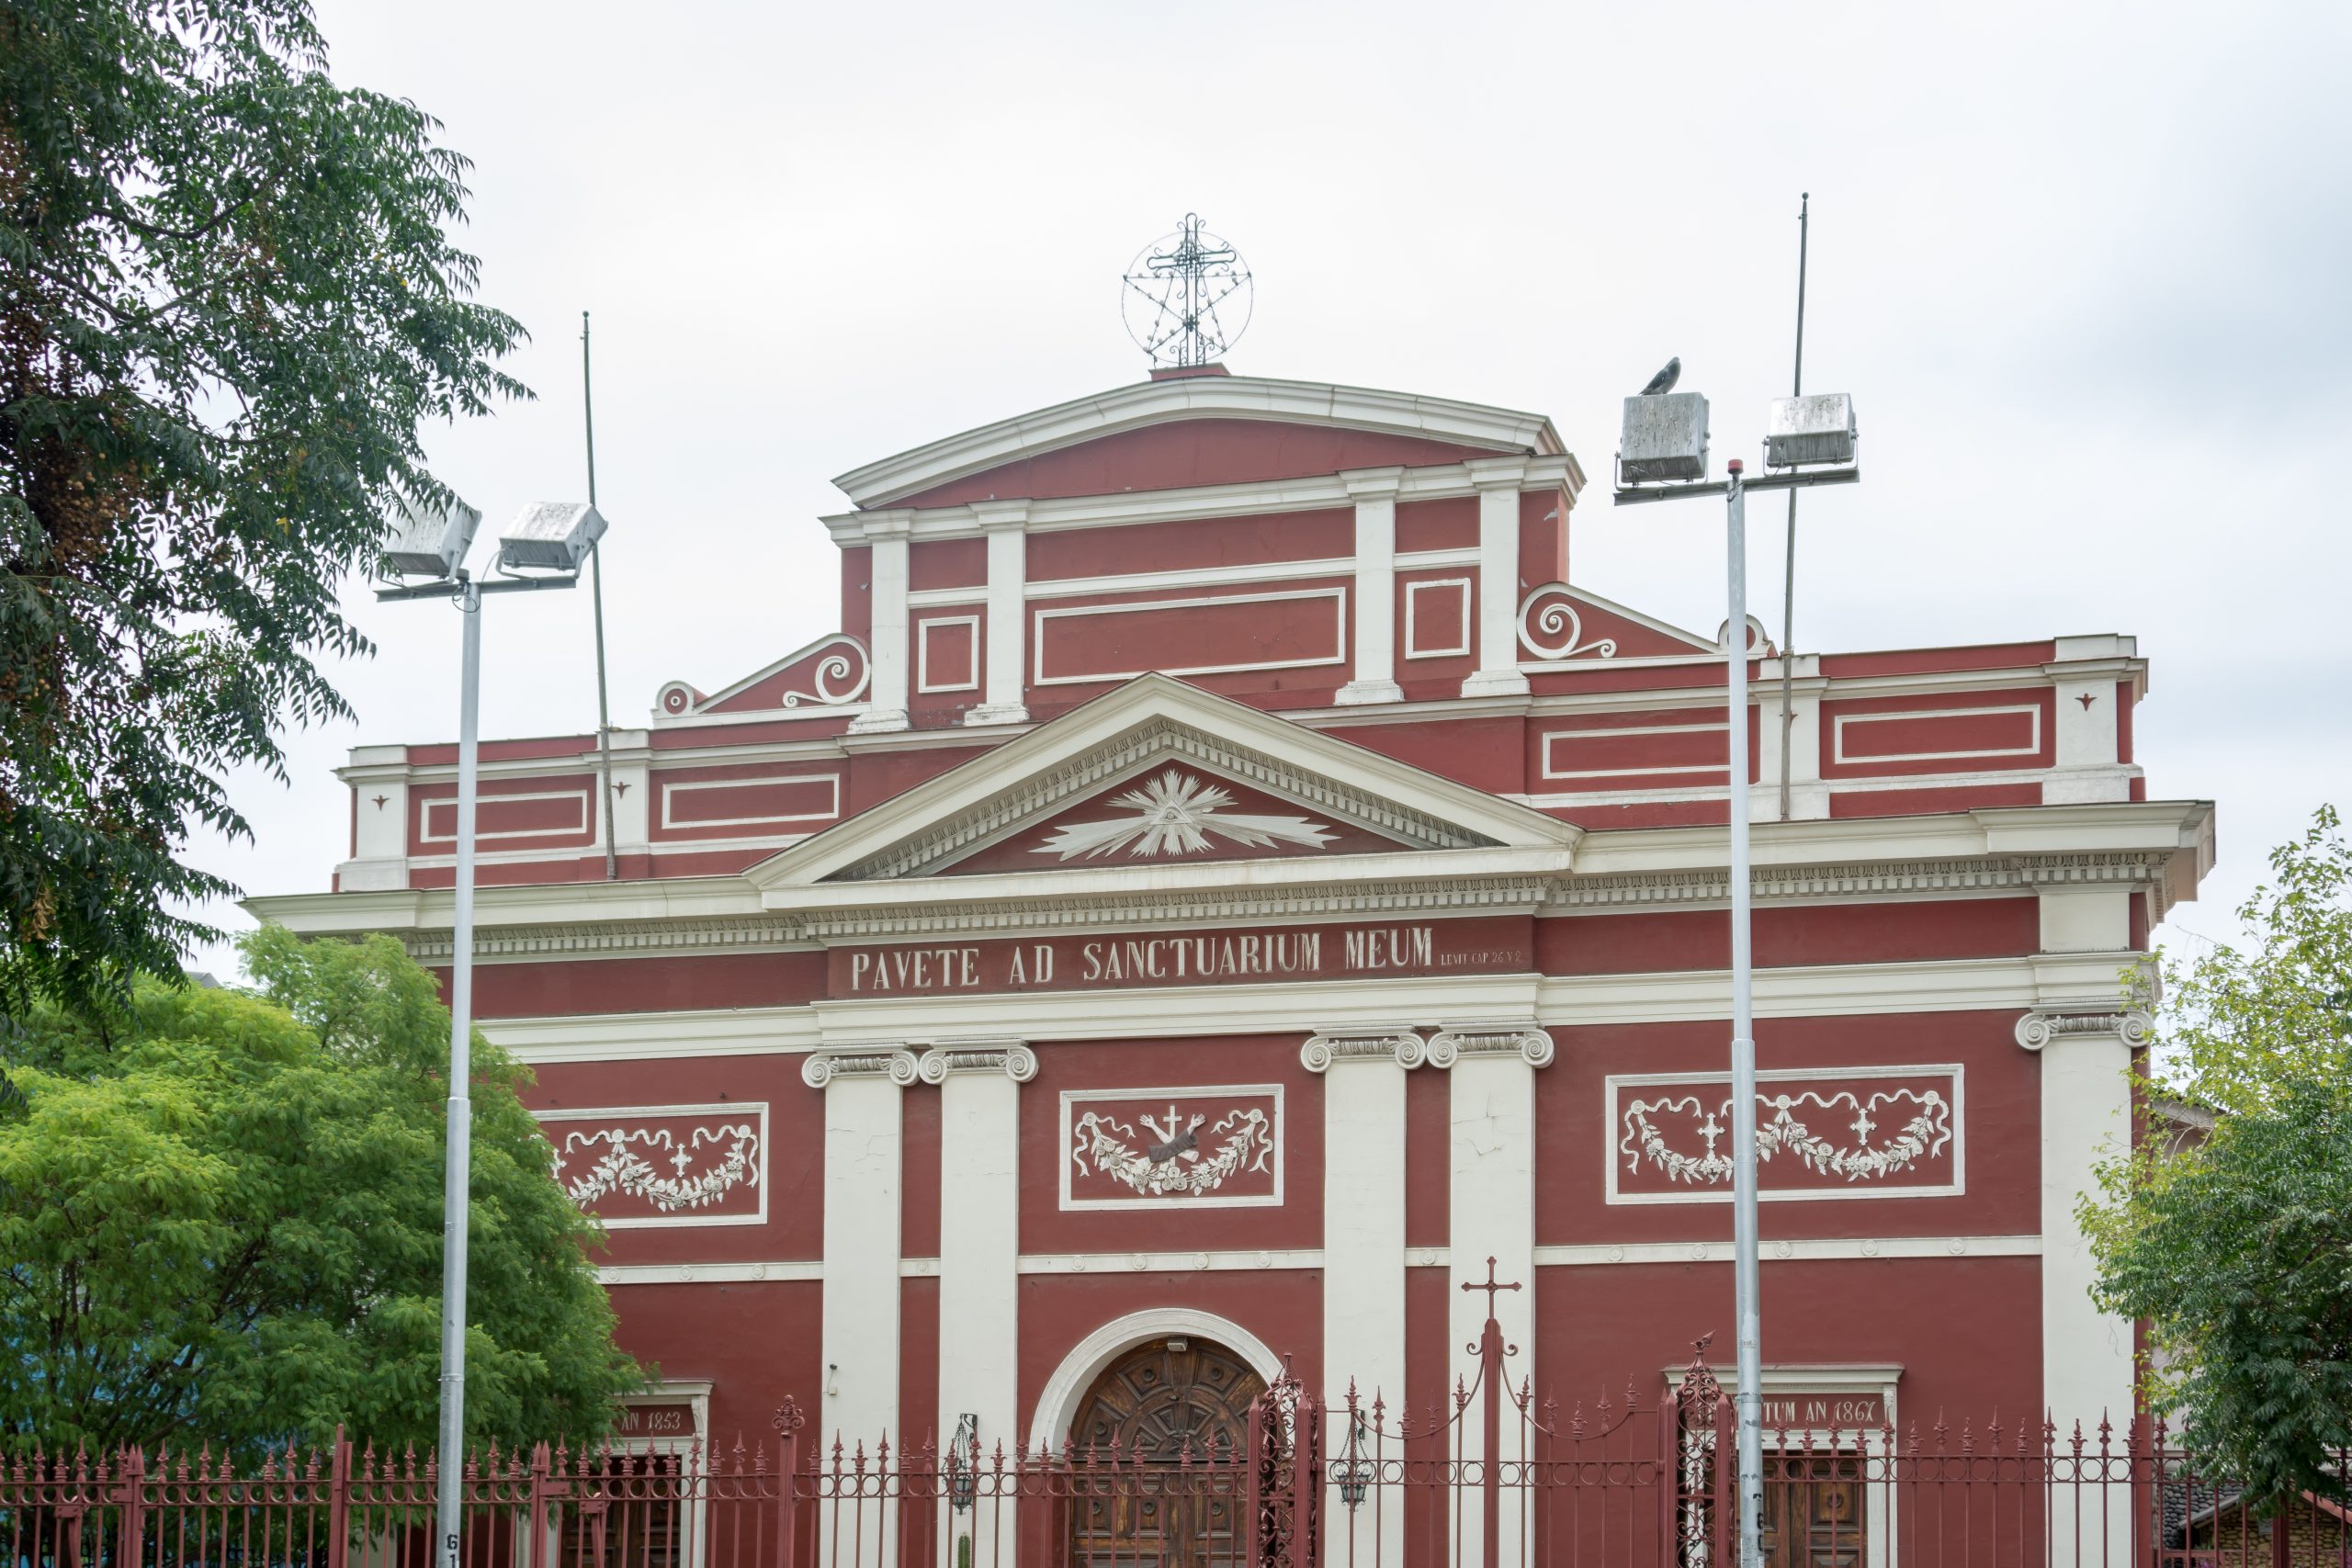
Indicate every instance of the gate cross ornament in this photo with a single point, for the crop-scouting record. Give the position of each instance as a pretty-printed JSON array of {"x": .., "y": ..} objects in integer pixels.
[{"x": 1489, "y": 1287}]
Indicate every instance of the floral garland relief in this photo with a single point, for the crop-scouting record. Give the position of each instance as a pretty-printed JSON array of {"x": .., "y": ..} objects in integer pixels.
[
  {"x": 1923, "y": 1135},
  {"x": 620, "y": 1168},
  {"x": 1171, "y": 1160}
]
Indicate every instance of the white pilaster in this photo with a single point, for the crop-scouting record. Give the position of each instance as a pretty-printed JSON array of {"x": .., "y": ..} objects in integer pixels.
[
  {"x": 1491, "y": 1213},
  {"x": 632, "y": 798},
  {"x": 2087, "y": 1372},
  {"x": 979, "y": 1241},
  {"x": 1374, "y": 491},
  {"x": 2087, "y": 746},
  {"x": 378, "y": 779},
  {"x": 1006, "y": 523},
  {"x": 887, "y": 699},
  {"x": 1808, "y": 795},
  {"x": 1497, "y": 674},
  {"x": 1363, "y": 1238},
  {"x": 863, "y": 1139}
]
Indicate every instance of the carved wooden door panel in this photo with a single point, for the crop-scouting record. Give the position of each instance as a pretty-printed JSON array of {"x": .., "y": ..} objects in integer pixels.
[
  {"x": 1813, "y": 1511},
  {"x": 1154, "y": 1402}
]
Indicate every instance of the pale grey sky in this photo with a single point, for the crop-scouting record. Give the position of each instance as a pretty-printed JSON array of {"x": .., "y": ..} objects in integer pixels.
[{"x": 2082, "y": 267}]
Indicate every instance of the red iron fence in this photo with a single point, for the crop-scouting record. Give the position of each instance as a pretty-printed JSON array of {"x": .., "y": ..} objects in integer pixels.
[{"x": 1495, "y": 1479}]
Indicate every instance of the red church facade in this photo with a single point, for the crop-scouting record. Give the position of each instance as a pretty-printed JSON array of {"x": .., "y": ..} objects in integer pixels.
[{"x": 1223, "y": 882}]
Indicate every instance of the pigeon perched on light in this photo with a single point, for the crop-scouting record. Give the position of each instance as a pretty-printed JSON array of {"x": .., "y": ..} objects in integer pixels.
[{"x": 1663, "y": 382}]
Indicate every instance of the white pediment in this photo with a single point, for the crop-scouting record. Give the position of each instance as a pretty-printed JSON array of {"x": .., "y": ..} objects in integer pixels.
[{"x": 1141, "y": 775}]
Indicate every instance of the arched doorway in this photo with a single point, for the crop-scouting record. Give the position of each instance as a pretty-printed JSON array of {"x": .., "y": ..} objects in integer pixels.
[{"x": 1154, "y": 1401}]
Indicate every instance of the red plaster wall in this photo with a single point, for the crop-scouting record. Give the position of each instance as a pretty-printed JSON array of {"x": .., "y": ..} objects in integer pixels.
[
  {"x": 644, "y": 985},
  {"x": 757, "y": 1342},
  {"x": 1179, "y": 1226},
  {"x": 1594, "y": 1325},
  {"x": 1823, "y": 933},
  {"x": 948, "y": 563},
  {"x": 1448, "y": 525},
  {"x": 1253, "y": 540},
  {"x": 918, "y": 1192},
  {"x": 794, "y": 1157},
  {"x": 2001, "y": 1113}
]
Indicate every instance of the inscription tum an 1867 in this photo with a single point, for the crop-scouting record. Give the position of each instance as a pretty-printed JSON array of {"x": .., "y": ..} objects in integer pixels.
[{"x": 1187, "y": 958}]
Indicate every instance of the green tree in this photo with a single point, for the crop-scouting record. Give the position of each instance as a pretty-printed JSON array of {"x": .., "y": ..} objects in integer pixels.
[
  {"x": 223, "y": 1224},
  {"x": 2236, "y": 1246},
  {"x": 228, "y": 302}
]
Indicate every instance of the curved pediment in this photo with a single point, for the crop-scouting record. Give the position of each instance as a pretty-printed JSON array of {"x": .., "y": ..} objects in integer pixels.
[{"x": 1166, "y": 435}]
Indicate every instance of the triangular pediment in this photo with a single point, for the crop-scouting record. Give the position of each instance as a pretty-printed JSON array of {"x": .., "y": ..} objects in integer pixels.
[{"x": 1158, "y": 777}]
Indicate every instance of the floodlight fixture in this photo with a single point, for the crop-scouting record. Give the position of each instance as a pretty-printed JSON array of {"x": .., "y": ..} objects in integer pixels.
[
  {"x": 1664, "y": 438},
  {"x": 431, "y": 540},
  {"x": 1818, "y": 427},
  {"x": 550, "y": 535}
]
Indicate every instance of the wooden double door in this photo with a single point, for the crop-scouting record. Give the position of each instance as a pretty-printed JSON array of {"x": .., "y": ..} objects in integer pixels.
[{"x": 1155, "y": 1403}]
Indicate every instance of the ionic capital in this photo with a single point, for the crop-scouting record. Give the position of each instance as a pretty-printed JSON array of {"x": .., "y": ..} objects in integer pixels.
[
  {"x": 824, "y": 1067},
  {"x": 2036, "y": 1030},
  {"x": 1527, "y": 1041},
  {"x": 1377, "y": 1044},
  {"x": 1011, "y": 1057}
]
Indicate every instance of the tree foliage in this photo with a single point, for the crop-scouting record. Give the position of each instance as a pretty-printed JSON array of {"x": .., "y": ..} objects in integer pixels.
[
  {"x": 224, "y": 1225},
  {"x": 2236, "y": 1246},
  {"x": 228, "y": 301}
]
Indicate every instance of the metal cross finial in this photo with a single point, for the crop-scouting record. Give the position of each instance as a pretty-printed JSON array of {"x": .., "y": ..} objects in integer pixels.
[{"x": 1490, "y": 1287}]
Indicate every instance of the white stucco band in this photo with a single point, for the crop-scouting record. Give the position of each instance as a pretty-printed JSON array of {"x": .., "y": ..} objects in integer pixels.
[{"x": 1058, "y": 1405}]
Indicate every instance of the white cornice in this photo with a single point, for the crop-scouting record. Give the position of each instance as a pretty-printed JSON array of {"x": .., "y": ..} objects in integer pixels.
[
  {"x": 2160, "y": 846},
  {"x": 1142, "y": 403},
  {"x": 1123, "y": 509}
]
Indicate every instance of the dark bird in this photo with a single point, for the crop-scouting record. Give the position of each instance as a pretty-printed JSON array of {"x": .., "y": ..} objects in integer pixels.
[{"x": 1663, "y": 382}]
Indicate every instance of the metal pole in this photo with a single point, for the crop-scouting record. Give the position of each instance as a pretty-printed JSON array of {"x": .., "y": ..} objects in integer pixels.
[
  {"x": 596, "y": 590},
  {"x": 458, "y": 1159},
  {"x": 1788, "y": 574},
  {"x": 1743, "y": 1053}
]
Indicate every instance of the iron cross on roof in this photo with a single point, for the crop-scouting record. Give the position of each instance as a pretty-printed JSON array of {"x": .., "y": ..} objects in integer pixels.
[{"x": 1490, "y": 1287}]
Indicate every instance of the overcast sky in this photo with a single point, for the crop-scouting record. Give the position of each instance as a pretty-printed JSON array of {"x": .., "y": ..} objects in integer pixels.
[{"x": 2083, "y": 268}]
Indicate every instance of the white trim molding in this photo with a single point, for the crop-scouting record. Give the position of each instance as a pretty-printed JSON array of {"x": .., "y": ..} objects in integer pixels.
[{"x": 1070, "y": 1379}]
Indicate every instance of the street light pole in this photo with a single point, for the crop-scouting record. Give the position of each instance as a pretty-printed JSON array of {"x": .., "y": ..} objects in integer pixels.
[
  {"x": 542, "y": 548},
  {"x": 1743, "y": 1045},
  {"x": 1666, "y": 438},
  {"x": 457, "y": 1160}
]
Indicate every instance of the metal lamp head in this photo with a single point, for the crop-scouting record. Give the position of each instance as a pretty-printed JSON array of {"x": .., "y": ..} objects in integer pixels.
[
  {"x": 1664, "y": 438},
  {"x": 550, "y": 535},
  {"x": 430, "y": 541},
  {"x": 1815, "y": 428}
]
